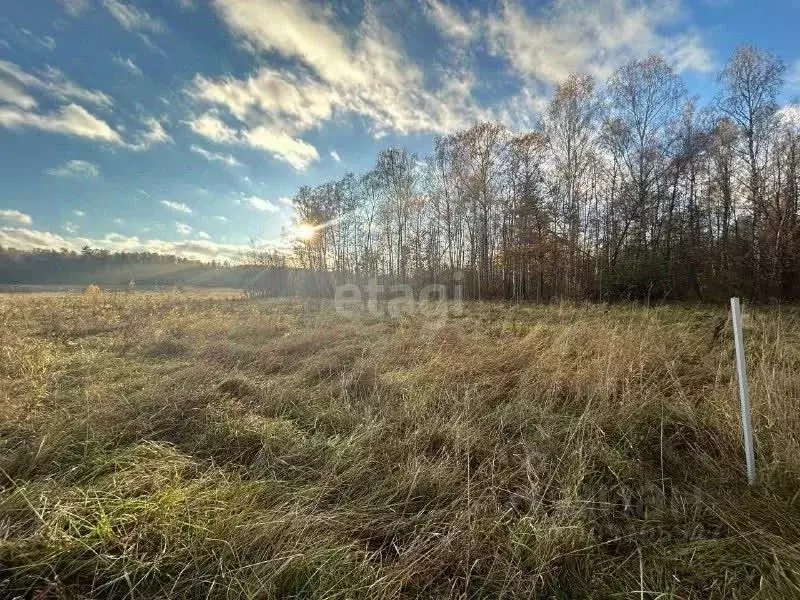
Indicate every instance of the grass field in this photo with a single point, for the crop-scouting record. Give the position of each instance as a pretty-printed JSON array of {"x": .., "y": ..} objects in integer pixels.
[{"x": 173, "y": 445}]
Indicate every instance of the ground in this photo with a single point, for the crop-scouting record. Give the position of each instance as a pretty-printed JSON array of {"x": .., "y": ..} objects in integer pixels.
[{"x": 206, "y": 445}]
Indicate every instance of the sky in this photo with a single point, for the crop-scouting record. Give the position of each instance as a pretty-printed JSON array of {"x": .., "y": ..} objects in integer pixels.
[{"x": 185, "y": 126}]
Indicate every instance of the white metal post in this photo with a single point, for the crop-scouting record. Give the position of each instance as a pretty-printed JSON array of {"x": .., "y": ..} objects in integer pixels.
[{"x": 744, "y": 400}]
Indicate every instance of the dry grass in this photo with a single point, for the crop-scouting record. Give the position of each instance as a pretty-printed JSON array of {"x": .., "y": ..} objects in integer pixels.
[{"x": 169, "y": 445}]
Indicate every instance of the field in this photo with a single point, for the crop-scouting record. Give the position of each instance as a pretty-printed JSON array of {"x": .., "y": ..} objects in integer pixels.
[{"x": 178, "y": 445}]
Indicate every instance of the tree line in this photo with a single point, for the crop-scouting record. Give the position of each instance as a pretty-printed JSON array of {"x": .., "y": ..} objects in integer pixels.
[
  {"x": 631, "y": 190},
  {"x": 100, "y": 266},
  {"x": 150, "y": 270}
]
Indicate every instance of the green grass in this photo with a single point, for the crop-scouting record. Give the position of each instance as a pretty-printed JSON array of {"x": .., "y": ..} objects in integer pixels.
[{"x": 171, "y": 445}]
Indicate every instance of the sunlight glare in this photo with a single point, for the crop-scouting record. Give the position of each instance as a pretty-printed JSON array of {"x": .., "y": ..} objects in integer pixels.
[{"x": 305, "y": 232}]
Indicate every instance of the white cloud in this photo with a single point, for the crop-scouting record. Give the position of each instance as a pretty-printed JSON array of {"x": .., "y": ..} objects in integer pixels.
[
  {"x": 362, "y": 71},
  {"x": 286, "y": 200},
  {"x": 78, "y": 213},
  {"x": 18, "y": 108},
  {"x": 261, "y": 204},
  {"x": 177, "y": 206},
  {"x": 521, "y": 111},
  {"x": 76, "y": 168},
  {"x": 210, "y": 126},
  {"x": 151, "y": 44},
  {"x": 203, "y": 235},
  {"x": 9, "y": 214},
  {"x": 688, "y": 52},
  {"x": 28, "y": 239},
  {"x": 75, "y": 7},
  {"x": 450, "y": 22},
  {"x": 128, "y": 65},
  {"x": 572, "y": 36},
  {"x": 196, "y": 249},
  {"x": 221, "y": 218},
  {"x": 53, "y": 83},
  {"x": 70, "y": 120},
  {"x": 13, "y": 94},
  {"x": 70, "y": 227},
  {"x": 296, "y": 98},
  {"x": 133, "y": 18},
  {"x": 216, "y": 156},
  {"x": 46, "y": 41},
  {"x": 279, "y": 144},
  {"x": 793, "y": 76},
  {"x": 288, "y": 28},
  {"x": 183, "y": 228},
  {"x": 150, "y": 136},
  {"x": 789, "y": 116},
  {"x": 335, "y": 156}
]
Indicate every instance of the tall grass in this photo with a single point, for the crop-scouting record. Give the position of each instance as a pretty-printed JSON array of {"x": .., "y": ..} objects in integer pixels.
[{"x": 179, "y": 446}]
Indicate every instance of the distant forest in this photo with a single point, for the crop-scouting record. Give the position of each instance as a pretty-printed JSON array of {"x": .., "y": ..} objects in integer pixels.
[
  {"x": 631, "y": 191},
  {"x": 257, "y": 272},
  {"x": 67, "y": 268}
]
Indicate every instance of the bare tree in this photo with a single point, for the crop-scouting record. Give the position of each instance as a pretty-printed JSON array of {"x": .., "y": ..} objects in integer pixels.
[
  {"x": 571, "y": 128},
  {"x": 751, "y": 81},
  {"x": 632, "y": 194},
  {"x": 644, "y": 97}
]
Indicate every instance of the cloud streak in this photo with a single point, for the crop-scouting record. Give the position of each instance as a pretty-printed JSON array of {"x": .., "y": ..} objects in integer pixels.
[
  {"x": 261, "y": 204},
  {"x": 177, "y": 206},
  {"x": 53, "y": 83},
  {"x": 74, "y": 7},
  {"x": 15, "y": 216},
  {"x": 71, "y": 119},
  {"x": 128, "y": 65},
  {"x": 277, "y": 143},
  {"x": 134, "y": 19},
  {"x": 76, "y": 168},
  {"x": 450, "y": 22},
  {"x": 152, "y": 134},
  {"x": 215, "y": 156}
]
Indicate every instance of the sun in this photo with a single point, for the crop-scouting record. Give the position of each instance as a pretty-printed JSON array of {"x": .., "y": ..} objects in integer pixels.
[{"x": 305, "y": 232}]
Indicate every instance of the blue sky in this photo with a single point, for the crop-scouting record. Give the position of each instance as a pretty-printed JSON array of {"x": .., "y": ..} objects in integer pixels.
[{"x": 185, "y": 125}]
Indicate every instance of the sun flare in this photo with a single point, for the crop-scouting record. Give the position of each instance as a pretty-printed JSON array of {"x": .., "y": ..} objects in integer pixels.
[{"x": 305, "y": 232}]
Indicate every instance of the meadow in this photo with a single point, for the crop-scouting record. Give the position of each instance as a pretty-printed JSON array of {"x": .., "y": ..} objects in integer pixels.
[{"x": 187, "y": 445}]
